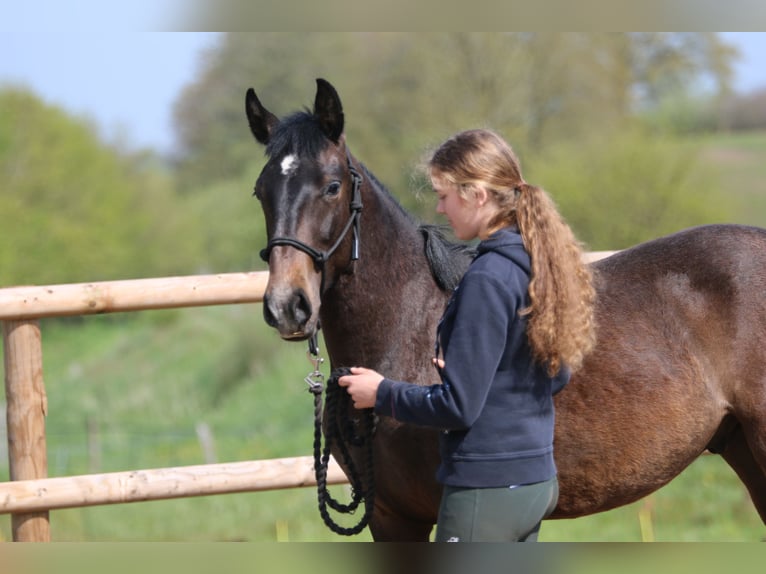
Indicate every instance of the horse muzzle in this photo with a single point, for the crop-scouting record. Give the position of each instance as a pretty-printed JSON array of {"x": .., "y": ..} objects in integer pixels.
[{"x": 291, "y": 313}]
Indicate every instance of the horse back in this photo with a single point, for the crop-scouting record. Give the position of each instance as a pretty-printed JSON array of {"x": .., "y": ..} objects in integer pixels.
[
  {"x": 692, "y": 301},
  {"x": 706, "y": 283}
]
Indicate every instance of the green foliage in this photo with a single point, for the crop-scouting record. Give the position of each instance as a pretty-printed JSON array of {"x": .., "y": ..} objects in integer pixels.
[
  {"x": 667, "y": 63},
  {"x": 229, "y": 227},
  {"x": 81, "y": 210},
  {"x": 126, "y": 393},
  {"x": 616, "y": 192},
  {"x": 684, "y": 115},
  {"x": 216, "y": 143},
  {"x": 76, "y": 209},
  {"x": 403, "y": 92}
]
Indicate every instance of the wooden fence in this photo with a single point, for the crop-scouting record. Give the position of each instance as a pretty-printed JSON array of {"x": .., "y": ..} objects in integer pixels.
[{"x": 30, "y": 494}]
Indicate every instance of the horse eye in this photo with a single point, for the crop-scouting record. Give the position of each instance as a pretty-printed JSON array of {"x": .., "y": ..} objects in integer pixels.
[
  {"x": 332, "y": 189},
  {"x": 256, "y": 193}
]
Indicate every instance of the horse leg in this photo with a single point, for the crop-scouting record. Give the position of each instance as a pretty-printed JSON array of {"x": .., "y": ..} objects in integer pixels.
[
  {"x": 388, "y": 527},
  {"x": 738, "y": 454}
]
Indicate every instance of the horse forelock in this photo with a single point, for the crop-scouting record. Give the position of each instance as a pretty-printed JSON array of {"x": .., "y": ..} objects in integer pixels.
[{"x": 299, "y": 135}]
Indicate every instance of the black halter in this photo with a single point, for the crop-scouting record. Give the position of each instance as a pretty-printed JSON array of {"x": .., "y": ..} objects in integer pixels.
[{"x": 321, "y": 257}]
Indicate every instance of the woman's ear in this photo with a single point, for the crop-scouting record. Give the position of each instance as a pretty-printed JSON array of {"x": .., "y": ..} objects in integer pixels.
[{"x": 481, "y": 196}]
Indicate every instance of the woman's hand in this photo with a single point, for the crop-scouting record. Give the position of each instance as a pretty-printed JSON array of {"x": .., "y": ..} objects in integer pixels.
[{"x": 362, "y": 384}]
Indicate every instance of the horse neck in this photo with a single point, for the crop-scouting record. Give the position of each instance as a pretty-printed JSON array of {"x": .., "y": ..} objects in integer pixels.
[{"x": 364, "y": 310}]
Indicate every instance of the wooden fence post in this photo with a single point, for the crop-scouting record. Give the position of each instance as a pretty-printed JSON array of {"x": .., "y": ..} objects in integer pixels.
[{"x": 26, "y": 410}]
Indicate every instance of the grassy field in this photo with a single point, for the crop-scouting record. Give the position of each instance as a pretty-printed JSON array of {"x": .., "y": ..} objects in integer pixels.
[
  {"x": 129, "y": 391},
  {"x": 741, "y": 159}
]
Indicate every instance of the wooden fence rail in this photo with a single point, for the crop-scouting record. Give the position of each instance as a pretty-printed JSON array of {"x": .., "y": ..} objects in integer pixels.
[
  {"x": 30, "y": 494},
  {"x": 131, "y": 295},
  {"x": 44, "y": 494}
]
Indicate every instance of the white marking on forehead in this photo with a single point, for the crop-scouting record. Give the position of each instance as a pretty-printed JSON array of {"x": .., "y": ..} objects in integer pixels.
[{"x": 288, "y": 165}]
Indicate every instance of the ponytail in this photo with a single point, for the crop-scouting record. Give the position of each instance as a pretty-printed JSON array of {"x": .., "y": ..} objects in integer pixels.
[{"x": 560, "y": 328}]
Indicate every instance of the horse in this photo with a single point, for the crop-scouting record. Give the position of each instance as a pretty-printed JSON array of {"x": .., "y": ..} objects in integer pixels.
[{"x": 679, "y": 367}]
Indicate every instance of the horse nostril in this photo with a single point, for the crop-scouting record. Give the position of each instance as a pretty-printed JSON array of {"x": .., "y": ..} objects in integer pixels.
[
  {"x": 301, "y": 308},
  {"x": 268, "y": 315}
]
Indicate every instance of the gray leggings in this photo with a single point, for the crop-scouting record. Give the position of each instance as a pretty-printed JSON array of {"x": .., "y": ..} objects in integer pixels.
[{"x": 509, "y": 514}]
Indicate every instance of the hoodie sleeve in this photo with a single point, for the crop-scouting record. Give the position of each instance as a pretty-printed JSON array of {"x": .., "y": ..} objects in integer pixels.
[
  {"x": 483, "y": 308},
  {"x": 560, "y": 380}
]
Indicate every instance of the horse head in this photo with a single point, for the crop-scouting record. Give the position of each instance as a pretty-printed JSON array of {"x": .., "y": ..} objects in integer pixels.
[{"x": 310, "y": 194}]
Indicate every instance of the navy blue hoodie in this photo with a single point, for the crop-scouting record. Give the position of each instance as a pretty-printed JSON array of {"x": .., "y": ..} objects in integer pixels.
[{"x": 494, "y": 404}]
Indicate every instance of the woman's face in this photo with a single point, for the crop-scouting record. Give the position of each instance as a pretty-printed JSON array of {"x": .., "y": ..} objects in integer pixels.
[{"x": 464, "y": 215}]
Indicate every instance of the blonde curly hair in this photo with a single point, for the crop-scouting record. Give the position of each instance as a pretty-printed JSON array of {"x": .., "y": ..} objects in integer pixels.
[{"x": 561, "y": 327}]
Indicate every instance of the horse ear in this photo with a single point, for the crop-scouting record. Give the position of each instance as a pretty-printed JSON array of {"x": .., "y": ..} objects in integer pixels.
[
  {"x": 328, "y": 110},
  {"x": 261, "y": 120}
]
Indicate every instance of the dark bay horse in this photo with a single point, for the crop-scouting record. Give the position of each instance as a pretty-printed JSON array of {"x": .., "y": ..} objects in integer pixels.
[{"x": 680, "y": 366}]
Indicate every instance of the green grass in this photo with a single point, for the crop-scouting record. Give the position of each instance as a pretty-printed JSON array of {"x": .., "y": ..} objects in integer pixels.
[
  {"x": 145, "y": 381},
  {"x": 741, "y": 162},
  {"x": 142, "y": 384}
]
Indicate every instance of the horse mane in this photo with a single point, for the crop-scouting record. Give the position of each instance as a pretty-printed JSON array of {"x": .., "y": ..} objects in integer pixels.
[{"x": 448, "y": 261}]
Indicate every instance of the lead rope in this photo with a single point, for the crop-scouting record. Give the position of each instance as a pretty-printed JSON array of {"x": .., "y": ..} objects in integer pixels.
[{"x": 358, "y": 432}]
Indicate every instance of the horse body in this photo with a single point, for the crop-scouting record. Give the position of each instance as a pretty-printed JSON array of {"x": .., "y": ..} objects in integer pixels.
[{"x": 679, "y": 367}]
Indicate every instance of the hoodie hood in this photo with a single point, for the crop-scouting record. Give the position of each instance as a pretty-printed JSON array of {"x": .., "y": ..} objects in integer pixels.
[{"x": 508, "y": 243}]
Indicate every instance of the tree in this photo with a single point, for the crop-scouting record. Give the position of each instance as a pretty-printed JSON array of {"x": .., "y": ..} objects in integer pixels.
[
  {"x": 75, "y": 209},
  {"x": 404, "y": 93},
  {"x": 209, "y": 116}
]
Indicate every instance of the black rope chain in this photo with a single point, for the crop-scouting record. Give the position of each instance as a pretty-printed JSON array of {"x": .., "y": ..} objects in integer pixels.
[{"x": 343, "y": 431}]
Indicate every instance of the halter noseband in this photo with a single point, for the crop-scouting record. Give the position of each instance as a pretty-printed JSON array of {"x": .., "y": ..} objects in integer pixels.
[{"x": 320, "y": 257}]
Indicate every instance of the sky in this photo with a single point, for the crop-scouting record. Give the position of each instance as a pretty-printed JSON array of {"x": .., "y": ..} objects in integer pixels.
[
  {"x": 125, "y": 82},
  {"x": 126, "y": 79},
  {"x": 751, "y": 69}
]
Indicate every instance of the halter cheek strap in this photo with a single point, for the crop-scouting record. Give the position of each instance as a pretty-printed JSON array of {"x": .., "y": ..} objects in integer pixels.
[{"x": 321, "y": 257}]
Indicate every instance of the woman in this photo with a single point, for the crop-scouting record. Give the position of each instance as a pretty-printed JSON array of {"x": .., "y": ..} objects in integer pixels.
[{"x": 518, "y": 323}]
